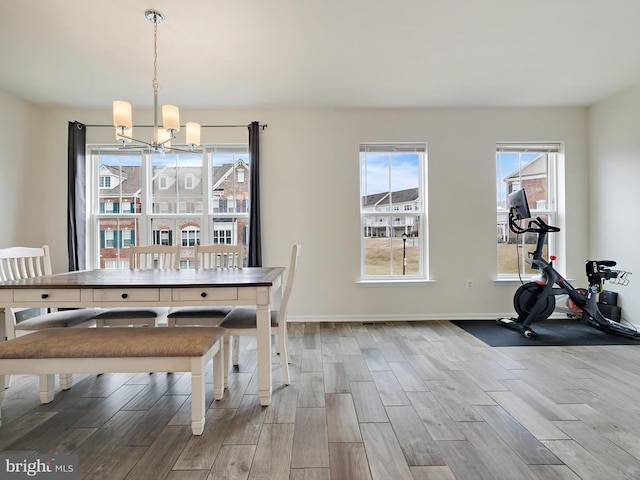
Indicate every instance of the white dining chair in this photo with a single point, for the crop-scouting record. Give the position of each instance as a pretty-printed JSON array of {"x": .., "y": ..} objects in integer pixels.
[
  {"x": 208, "y": 257},
  {"x": 243, "y": 321},
  {"x": 29, "y": 262},
  {"x": 150, "y": 257}
]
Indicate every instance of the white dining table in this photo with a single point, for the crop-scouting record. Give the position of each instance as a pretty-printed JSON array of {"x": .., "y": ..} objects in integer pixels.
[{"x": 259, "y": 287}]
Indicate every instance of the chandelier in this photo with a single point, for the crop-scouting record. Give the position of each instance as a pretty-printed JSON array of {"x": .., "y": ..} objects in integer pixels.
[{"x": 162, "y": 136}]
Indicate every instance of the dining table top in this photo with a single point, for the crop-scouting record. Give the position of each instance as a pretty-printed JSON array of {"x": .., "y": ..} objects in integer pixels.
[{"x": 117, "y": 278}]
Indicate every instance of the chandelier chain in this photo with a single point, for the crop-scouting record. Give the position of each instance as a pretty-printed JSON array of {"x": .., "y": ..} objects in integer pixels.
[{"x": 154, "y": 82}]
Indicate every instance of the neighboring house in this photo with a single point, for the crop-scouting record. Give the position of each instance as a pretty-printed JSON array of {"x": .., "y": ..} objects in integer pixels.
[
  {"x": 533, "y": 178},
  {"x": 174, "y": 191},
  {"x": 119, "y": 194},
  {"x": 401, "y": 201}
]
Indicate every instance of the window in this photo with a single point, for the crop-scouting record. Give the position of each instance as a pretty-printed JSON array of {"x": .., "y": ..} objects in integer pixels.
[
  {"x": 534, "y": 168},
  {"x": 181, "y": 196},
  {"x": 109, "y": 239},
  {"x": 190, "y": 236},
  {"x": 162, "y": 237},
  {"x": 128, "y": 238},
  {"x": 105, "y": 181},
  {"x": 393, "y": 181},
  {"x": 223, "y": 233}
]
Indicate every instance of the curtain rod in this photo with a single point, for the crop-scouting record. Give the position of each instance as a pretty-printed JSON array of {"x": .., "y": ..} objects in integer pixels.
[{"x": 263, "y": 126}]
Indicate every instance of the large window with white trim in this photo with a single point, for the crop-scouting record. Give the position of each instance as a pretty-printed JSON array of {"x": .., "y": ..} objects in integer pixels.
[
  {"x": 179, "y": 197},
  {"x": 534, "y": 167},
  {"x": 393, "y": 222}
]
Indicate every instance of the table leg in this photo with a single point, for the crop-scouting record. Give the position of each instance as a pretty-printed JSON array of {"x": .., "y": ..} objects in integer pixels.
[
  {"x": 264, "y": 354},
  {"x": 218, "y": 371},
  {"x": 2, "y": 386}
]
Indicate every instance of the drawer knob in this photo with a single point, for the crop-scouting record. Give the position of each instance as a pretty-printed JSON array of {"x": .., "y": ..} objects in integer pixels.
[
  {"x": 125, "y": 295},
  {"x": 44, "y": 296},
  {"x": 203, "y": 294}
]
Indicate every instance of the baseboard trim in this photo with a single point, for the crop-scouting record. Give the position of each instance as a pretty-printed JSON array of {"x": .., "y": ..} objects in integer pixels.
[{"x": 395, "y": 318}]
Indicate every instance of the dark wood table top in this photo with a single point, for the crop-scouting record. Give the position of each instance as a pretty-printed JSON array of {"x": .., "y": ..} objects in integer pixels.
[{"x": 243, "y": 277}]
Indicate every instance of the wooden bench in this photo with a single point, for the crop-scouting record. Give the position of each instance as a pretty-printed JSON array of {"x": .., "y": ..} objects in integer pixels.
[{"x": 118, "y": 350}]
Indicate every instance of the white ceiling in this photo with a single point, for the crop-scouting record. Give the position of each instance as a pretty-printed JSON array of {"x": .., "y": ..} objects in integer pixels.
[{"x": 309, "y": 53}]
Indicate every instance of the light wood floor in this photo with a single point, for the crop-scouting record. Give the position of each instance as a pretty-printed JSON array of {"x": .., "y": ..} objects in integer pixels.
[{"x": 392, "y": 401}]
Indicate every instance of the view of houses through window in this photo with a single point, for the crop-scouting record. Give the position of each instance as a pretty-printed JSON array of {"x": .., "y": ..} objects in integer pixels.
[
  {"x": 176, "y": 198},
  {"x": 532, "y": 167},
  {"x": 392, "y": 210}
]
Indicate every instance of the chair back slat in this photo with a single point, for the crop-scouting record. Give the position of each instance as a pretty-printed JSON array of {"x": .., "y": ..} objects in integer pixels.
[
  {"x": 154, "y": 257},
  {"x": 24, "y": 262},
  {"x": 293, "y": 267},
  {"x": 218, "y": 256}
]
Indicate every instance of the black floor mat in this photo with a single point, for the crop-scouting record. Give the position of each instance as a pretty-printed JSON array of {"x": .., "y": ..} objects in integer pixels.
[{"x": 554, "y": 332}]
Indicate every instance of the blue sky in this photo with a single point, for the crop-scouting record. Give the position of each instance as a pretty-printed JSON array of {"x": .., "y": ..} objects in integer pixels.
[
  {"x": 375, "y": 172},
  {"x": 506, "y": 164}
]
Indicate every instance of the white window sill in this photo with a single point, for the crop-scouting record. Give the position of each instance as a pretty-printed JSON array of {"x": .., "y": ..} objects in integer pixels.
[
  {"x": 413, "y": 282},
  {"x": 510, "y": 281}
]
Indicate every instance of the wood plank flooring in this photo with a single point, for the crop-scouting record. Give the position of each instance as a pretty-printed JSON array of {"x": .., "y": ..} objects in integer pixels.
[{"x": 379, "y": 401}]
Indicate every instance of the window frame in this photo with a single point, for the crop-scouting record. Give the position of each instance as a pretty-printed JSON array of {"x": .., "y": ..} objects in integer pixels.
[
  {"x": 141, "y": 212},
  {"x": 418, "y": 214},
  {"x": 552, "y": 212}
]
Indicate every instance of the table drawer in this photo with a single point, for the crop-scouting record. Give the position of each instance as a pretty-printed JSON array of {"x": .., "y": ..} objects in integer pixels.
[
  {"x": 127, "y": 295},
  {"x": 200, "y": 294},
  {"x": 46, "y": 295}
]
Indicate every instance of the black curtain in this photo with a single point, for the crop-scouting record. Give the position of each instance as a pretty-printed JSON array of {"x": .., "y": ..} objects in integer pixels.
[
  {"x": 76, "y": 198},
  {"x": 254, "y": 255}
]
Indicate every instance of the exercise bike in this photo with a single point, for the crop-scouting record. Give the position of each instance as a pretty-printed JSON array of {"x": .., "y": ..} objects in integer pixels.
[{"x": 534, "y": 301}]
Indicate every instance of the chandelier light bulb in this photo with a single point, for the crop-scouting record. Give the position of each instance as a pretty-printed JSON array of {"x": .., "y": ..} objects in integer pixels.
[
  {"x": 171, "y": 118},
  {"x": 164, "y": 138},
  {"x": 122, "y": 115},
  {"x": 193, "y": 134}
]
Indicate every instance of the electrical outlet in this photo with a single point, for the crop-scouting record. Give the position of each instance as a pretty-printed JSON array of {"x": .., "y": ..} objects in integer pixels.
[{"x": 469, "y": 284}]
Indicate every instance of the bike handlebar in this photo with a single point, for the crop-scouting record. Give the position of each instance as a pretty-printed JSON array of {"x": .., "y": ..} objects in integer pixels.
[
  {"x": 534, "y": 226},
  {"x": 542, "y": 226}
]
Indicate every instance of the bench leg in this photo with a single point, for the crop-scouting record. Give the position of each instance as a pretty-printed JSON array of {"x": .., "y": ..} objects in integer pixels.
[
  {"x": 47, "y": 388},
  {"x": 197, "y": 395},
  {"x": 66, "y": 380}
]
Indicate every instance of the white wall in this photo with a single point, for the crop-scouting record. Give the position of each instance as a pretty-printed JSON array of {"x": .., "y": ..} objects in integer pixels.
[
  {"x": 21, "y": 184},
  {"x": 310, "y": 194},
  {"x": 614, "y": 190}
]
